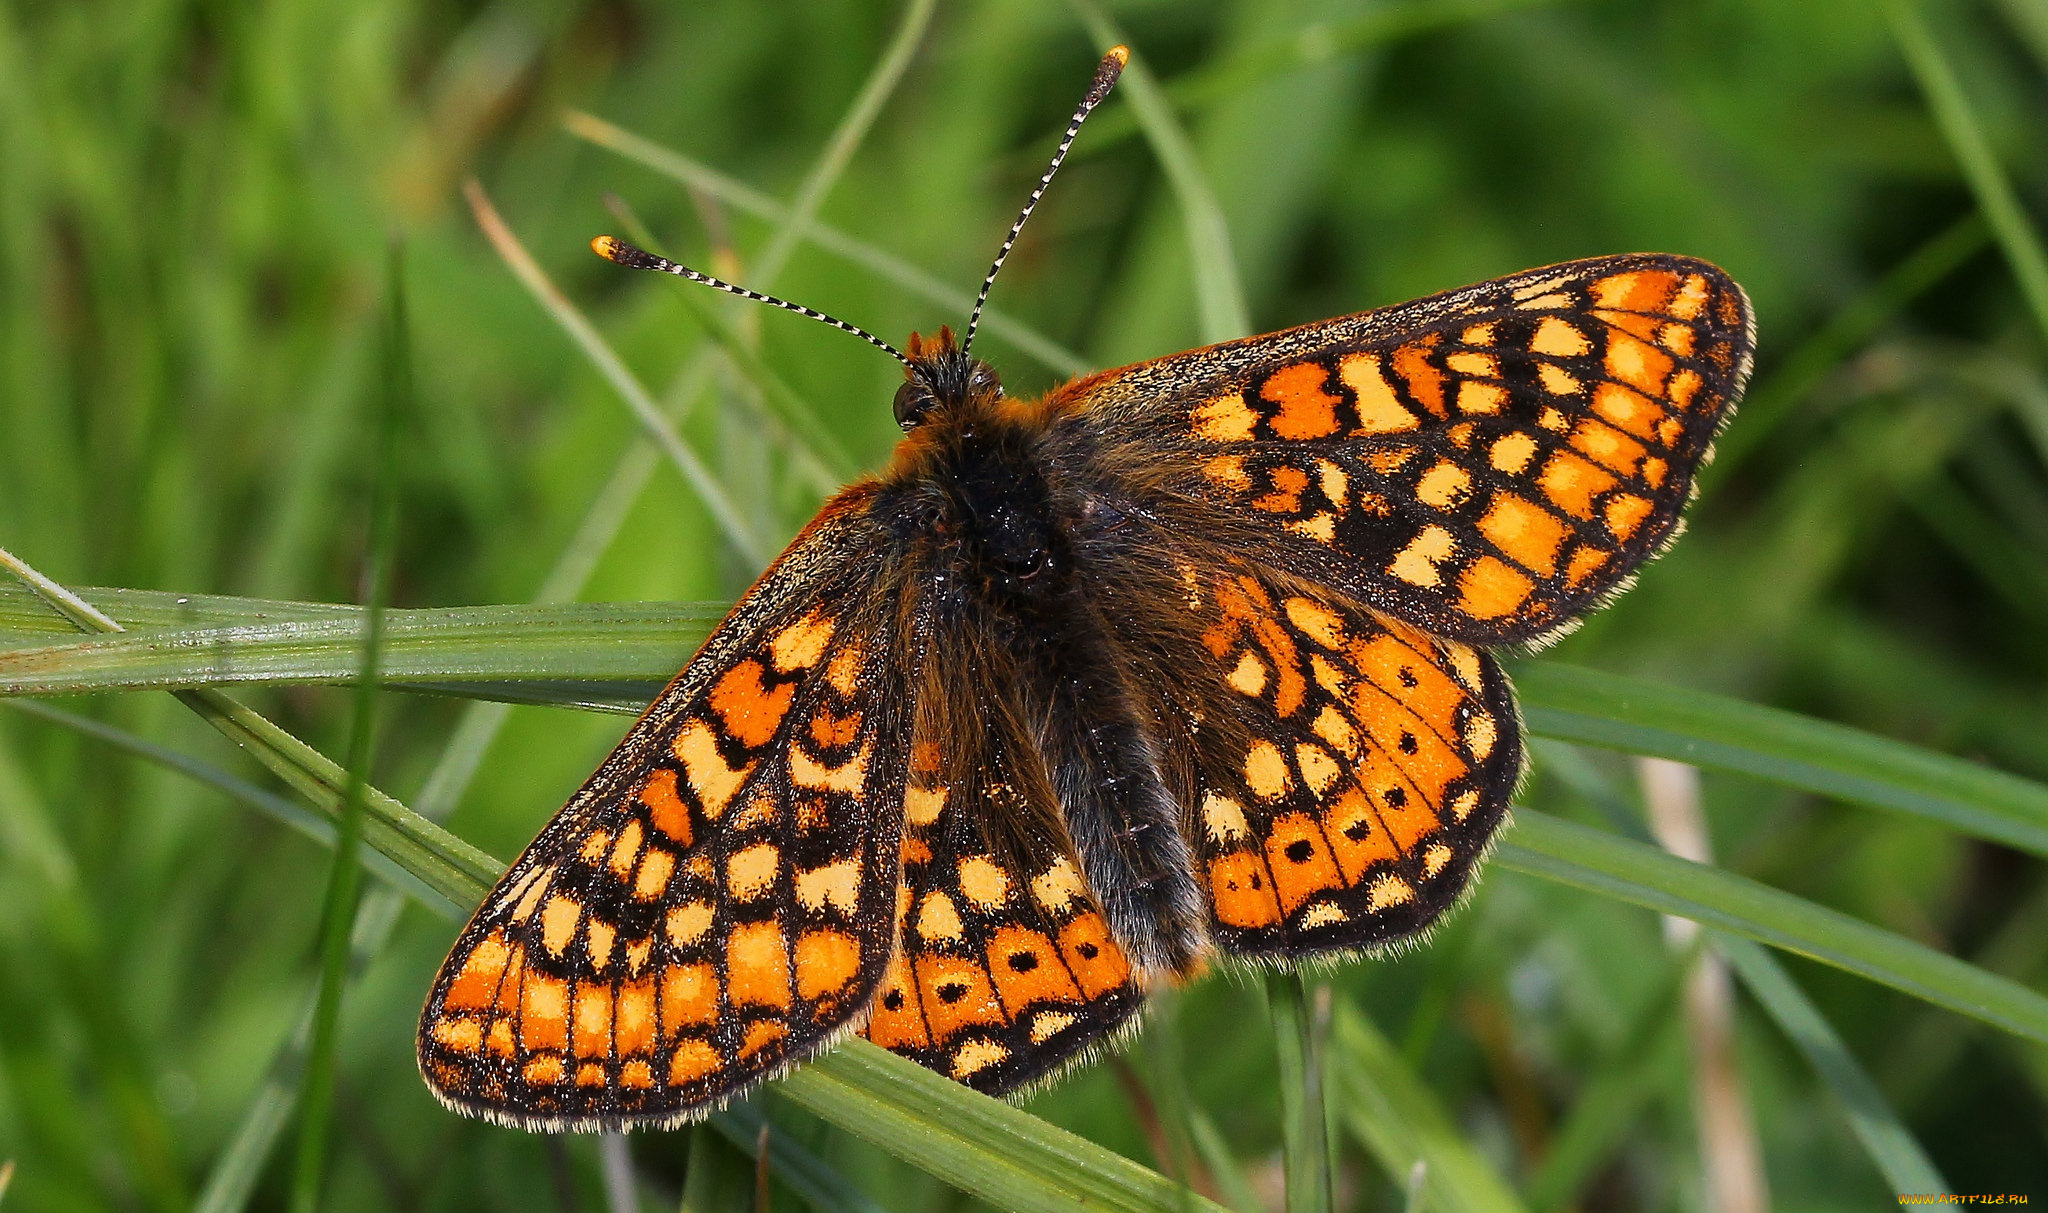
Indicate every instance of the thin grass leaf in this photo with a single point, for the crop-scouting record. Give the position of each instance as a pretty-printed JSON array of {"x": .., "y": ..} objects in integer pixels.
[
  {"x": 1304, "y": 1127},
  {"x": 1590, "y": 859},
  {"x": 1641, "y": 717},
  {"x": 817, "y": 1181},
  {"x": 1399, "y": 1121},
  {"x": 391, "y": 407},
  {"x": 984, "y": 1147},
  {"x": 738, "y": 531},
  {"x": 884, "y": 265},
  {"x": 1957, "y": 119},
  {"x": 1889, "y": 1143},
  {"x": 1219, "y": 290}
]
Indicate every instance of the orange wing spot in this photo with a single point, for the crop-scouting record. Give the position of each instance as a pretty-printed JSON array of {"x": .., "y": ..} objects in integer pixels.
[
  {"x": 689, "y": 995},
  {"x": 688, "y": 922},
  {"x": 916, "y": 851},
  {"x": 1300, "y": 860},
  {"x": 1557, "y": 338},
  {"x": 1318, "y": 768},
  {"x": 692, "y": 1060},
  {"x": 956, "y": 995},
  {"x": 1528, "y": 533},
  {"x": 500, "y": 1039},
  {"x": 849, "y": 776},
  {"x": 1678, "y": 338},
  {"x": 1331, "y": 726},
  {"x": 1478, "y": 334},
  {"x": 593, "y": 1036},
  {"x": 1027, "y": 970},
  {"x": 666, "y": 809},
  {"x": 1466, "y": 362},
  {"x": 636, "y": 1075},
  {"x": 1571, "y": 483},
  {"x": 655, "y": 869},
  {"x": 801, "y": 644},
  {"x": 1556, "y": 380},
  {"x": 898, "y": 1022},
  {"x": 463, "y": 1035},
  {"x": 1223, "y": 818},
  {"x": 760, "y": 1034},
  {"x": 826, "y": 962},
  {"x": 1511, "y": 453},
  {"x": 1641, "y": 291},
  {"x": 1288, "y": 482},
  {"x": 757, "y": 965},
  {"x": 1627, "y": 409},
  {"x": 626, "y": 849},
  {"x": 599, "y": 943},
  {"x": 558, "y": 923},
  {"x": 1542, "y": 302},
  {"x": 750, "y": 873},
  {"x": 1608, "y": 446},
  {"x": 476, "y": 986},
  {"x": 1480, "y": 734},
  {"x": 1355, "y": 836},
  {"x": 1653, "y": 472},
  {"x": 1306, "y": 410},
  {"x": 1690, "y": 299},
  {"x": 531, "y": 887},
  {"x": 1669, "y": 430},
  {"x": 634, "y": 1026},
  {"x": 760, "y": 811},
  {"x": 1317, "y": 622},
  {"x": 1059, "y": 886},
  {"x": 1553, "y": 419},
  {"x": 750, "y": 712},
  {"x": 976, "y": 1055},
  {"x": 1242, "y": 895},
  {"x": 1249, "y": 678},
  {"x": 835, "y": 884},
  {"x": 1389, "y": 460},
  {"x": 1225, "y": 419},
  {"x": 1265, "y": 770},
  {"x": 1390, "y": 890},
  {"x": 543, "y": 1071},
  {"x": 1477, "y": 397},
  {"x": 922, "y": 806},
  {"x": 939, "y": 918},
  {"x": 1625, "y": 512},
  {"x": 515, "y": 973},
  {"x": 544, "y": 1013},
  {"x": 715, "y": 783},
  {"x": 984, "y": 882},
  {"x": 844, "y": 672},
  {"x": 1095, "y": 959},
  {"x": 1444, "y": 486},
  {"x": 1638, "y": 363},
  {"x": 1629, "y": 322},
  {"x": 590, "y": 1074},
  {"x": 1228, "y": 471},
  {"x": 1380, "y": 411},
  {"x": 1416, "y": 563},
  {"x": 834, "y": 732},
  {"x": 1684, "y": 385},
  {"x": 1425, "y": 382},
  {"x": 594, "y": 845},
  {"x": 1491, "y": 588},
  {"x": 637, "y": 953}
]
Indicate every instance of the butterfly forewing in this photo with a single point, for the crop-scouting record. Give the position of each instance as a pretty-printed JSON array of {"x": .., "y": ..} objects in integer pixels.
[
  {"x": 1489, "y": 463},
  {"x": 719, "y": 899}
]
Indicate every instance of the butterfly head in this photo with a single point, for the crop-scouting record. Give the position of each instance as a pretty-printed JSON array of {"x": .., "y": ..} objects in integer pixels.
[{"x": 940, "y": 376}]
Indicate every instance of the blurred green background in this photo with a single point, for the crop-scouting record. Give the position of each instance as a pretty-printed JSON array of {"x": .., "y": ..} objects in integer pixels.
[{"x": 195, "y": 200}]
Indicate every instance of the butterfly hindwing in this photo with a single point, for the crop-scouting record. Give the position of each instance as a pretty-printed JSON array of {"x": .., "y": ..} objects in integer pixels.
[
  {"x": 1348, "y": 770},
  {"x": 718, "y": 900},
  {"x": 1006, "y": 968},
  {"x": 1489, "y": 464}
]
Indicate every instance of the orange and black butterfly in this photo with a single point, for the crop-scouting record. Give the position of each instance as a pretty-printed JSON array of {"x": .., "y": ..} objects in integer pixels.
[{"x": 1181, "y": 660}]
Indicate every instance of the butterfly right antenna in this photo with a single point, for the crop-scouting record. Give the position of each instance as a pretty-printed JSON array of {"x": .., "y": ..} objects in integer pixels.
[{"x": 1106, "y": 72}]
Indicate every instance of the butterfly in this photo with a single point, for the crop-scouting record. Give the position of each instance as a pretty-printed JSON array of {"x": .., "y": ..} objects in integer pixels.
[{"x": 1181, "y": 660}]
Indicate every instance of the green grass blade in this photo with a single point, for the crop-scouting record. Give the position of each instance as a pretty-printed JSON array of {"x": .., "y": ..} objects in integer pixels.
[
  {"x": 1594, "y": 708},
  {"x": 1219, "y": 290},
  {"x": 1304, "y": 1118},
  {"x": 820, "y": 1185},
  {"x": 1889, "y": 1143},
  {"x": 1957, "y": 119},
  {"x": 998, "y": 1154},
  {"x": 1598, "y": 862},
  {"x": 338, "y": 913},
  {"x": 1399, "y": 1121}
]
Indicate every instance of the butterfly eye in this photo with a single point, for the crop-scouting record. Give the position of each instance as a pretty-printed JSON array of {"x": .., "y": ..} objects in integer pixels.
[
  {"x": 982, "y": 379},
  {"x": 913, "y": 401}
]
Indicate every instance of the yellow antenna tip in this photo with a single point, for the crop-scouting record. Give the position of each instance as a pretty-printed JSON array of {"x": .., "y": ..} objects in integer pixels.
[
  {"x": 1122, "y": 55},
  {"x": 606, "y": 247}
]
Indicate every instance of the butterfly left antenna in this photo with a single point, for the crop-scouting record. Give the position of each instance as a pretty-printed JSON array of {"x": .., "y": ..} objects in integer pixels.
[
  {"x": 1106, "y": 74},
  {"x": 617, "y": 251}
]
